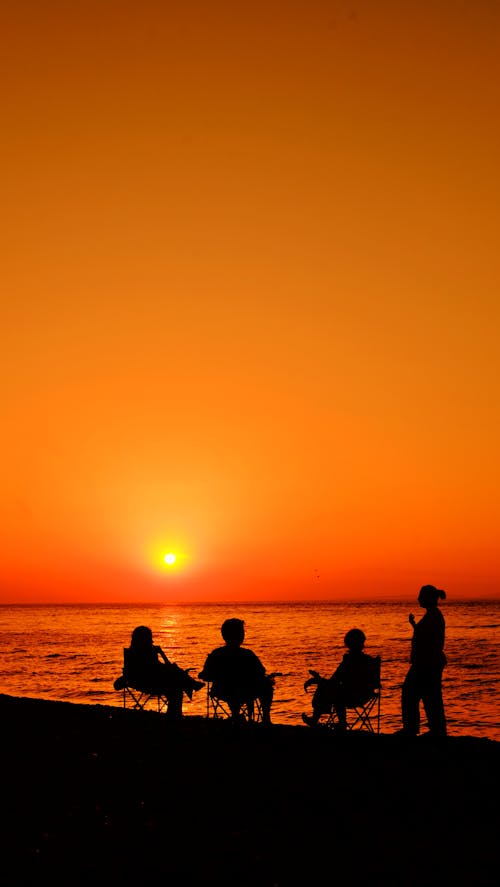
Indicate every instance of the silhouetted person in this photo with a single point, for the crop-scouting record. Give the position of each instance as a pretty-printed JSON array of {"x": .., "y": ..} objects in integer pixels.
[
  {"x": 427, "y": 658},
  {"x": 350, "y": 685},
  {"x": 147, "y": 669},
  {"x": 237, "y": 674}
]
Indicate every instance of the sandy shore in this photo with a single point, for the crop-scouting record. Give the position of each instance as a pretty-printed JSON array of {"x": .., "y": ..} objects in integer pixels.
[{"x": 95, "y": 795}]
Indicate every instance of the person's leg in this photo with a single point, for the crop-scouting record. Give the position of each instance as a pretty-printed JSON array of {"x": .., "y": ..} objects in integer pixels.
[
  {"x": 410, "y": 703},
  {"x": 177, "y": 677},
  {"x": 266, "y": 700},
  {"x": 236, "y": 715},
  {"x": 234, "y": 703},
  {"x": 432, "y": 698},
  {"x": 174, "y": 683},
  {"x": 174, "y": 707},
  {"x": 339, "y": 705}
]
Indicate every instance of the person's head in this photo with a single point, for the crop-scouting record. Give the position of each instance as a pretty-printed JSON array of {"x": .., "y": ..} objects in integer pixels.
[
  {"x": 429, "y": 596},
  {"x": 355, "y": 640},
  {"x": 142, "y": 637},
  {"x": 233, "y": 631}
]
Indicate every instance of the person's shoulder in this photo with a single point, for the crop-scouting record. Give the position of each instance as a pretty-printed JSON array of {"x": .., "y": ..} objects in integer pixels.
[
  {"x": 343, "y": 664},
  {"x": 433, "y": 616},
  {"x": 246, "y": 651},
  {"x": 251, "y": 657},
  {"x": 218, "y": 651}
]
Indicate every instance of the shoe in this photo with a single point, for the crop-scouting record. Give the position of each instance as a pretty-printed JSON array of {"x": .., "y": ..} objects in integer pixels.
[
  {"x": 340, "y": 728},
  {"x": 309, "y": 720},
  {"x": 433, "y": 736},
  {"x": 192, "y": 687}
]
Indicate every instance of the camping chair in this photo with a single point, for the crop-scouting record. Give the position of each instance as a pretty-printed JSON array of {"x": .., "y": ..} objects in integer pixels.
[
  {"x": 365, "y": 715},
  {"x": 139, "y": 699},
  {"x": 250, "y": 711}
]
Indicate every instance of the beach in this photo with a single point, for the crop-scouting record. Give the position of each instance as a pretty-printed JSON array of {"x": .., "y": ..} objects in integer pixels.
[{"x": 99, "y": 795}]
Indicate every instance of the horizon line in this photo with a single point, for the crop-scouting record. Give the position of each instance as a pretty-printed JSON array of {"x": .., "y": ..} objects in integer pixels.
[{"x": 237, "y": 602}]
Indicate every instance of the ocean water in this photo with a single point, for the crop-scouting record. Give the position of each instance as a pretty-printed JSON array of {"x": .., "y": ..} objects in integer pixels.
[{"x": 74, "y": 652}]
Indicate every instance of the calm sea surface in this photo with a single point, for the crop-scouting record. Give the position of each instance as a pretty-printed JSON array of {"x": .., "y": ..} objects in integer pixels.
[{"x": 73, "y": 653}]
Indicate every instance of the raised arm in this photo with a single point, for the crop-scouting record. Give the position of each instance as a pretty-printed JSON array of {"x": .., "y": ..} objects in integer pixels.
[
  {"x": 162, "y": 654},
  {"x": 314, "y": 679}
]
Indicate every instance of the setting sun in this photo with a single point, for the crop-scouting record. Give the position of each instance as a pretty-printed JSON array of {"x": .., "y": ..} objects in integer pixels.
[{"x": 169, "y": 556}]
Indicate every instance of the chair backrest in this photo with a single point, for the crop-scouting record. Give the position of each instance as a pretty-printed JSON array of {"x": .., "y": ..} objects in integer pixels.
[
  {"x": 368, "y": 714},
  {"x": 137, "y": 677},
  {"x": 363, "y": 681},
  {"x": 377, "y": 668},
  {"x": 126, "y": 659}
]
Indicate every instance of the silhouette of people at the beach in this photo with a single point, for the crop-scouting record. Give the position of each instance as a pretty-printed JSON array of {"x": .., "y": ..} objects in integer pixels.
[
  {"x": 423, "y": 682},
  {"x": 148, "y": 669},
  {"x": 236, "y": 673},
  {"x": 351, "y": 684}
]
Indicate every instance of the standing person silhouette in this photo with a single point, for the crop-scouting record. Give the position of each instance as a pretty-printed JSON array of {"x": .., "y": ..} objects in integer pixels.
[
  {"x": 427, "y": 658},
  {"x": 237, "y": 674}
]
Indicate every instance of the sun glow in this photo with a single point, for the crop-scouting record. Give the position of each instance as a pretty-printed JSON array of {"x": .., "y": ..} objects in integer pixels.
[{"x": 168, "y": 556}]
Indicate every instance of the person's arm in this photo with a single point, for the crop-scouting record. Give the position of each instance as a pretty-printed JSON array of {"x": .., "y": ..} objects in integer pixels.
[
  {"x": 259, "y": 667},
  {"x": 206, "y": 673},
  {"x": 412, "y": 620},
  {"x": 160, "y": 652},
  {"x": 314, "y": 679},
  {"x": 339, "y": 674}
]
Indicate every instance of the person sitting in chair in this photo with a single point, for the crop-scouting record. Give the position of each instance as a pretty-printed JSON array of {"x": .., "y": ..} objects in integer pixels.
[
  {"x": 351, "y": 684},
  {"x": 237, "y": 674},
  {"x": 147, "y": 669}
]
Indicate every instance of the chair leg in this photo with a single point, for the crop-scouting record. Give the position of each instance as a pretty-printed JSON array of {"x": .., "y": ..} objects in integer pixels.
[{"x": 360, "y": 718}]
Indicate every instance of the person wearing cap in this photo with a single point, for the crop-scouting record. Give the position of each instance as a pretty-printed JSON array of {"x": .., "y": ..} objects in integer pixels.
[{"x": 351, "y": 684}]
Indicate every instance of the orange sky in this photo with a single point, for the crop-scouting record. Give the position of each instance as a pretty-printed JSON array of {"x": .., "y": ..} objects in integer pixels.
[{"x": 250, "y": 299}]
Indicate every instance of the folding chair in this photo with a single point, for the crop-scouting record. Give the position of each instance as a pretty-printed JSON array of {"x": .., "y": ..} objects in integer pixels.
[
  {"x": 135, "y": 698},
  {"x": 362, "y": 715},
  {"x": 250, "y": 711}
]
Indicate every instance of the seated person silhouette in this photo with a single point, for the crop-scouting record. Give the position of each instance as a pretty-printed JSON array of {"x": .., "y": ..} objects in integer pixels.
[
  {"x": 351, "y": 684},
  {"x": 147, "y": 669},
  {"x": 237, "y": 674}
]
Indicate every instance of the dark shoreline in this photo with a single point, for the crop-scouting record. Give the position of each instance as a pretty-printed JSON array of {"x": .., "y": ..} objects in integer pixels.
[{"x": 95, "y": 795}]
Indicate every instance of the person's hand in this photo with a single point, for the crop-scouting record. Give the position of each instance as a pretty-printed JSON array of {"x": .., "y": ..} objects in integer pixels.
[
  {"x": 411, "y": 620},
  {"x": 312, "y": 680}
]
